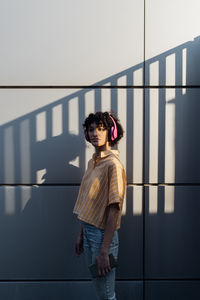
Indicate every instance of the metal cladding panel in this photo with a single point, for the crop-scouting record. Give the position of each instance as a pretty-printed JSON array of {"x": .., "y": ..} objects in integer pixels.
[
  {"x": 38, "y": 233},
  {"x": 47, "y": 290},
  {"x": 172, "y": 48},
  {"x": 41, "y": 134},
  {"x": 70, "y": 42},
  {"x": 171, "y": 137},
  {"x": 131, "y": 235},
  {"x": 173, "y": 290},
  {"x": 65, "y": 290},
  {"x": 172, "y": 242}
]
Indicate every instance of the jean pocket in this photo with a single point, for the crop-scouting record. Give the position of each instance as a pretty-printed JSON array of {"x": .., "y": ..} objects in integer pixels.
[{"x": 94, "y": 237}]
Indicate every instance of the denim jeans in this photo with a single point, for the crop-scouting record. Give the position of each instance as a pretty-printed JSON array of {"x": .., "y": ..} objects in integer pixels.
[{"x": 92, "y": 239}]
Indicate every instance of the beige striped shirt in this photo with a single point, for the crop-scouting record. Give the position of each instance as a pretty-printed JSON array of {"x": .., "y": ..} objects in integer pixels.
[{"x": 103, "y": 183}]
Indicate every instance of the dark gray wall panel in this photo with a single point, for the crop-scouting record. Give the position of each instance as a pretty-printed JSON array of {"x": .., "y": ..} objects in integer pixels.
[
  {"x": 172, "y": 222},
  {"x": 131, "y": 236},
  {"x": 38, "y": 231},
  {"x": 172, "y": 290},
  {"x": 83, "y": 290},
  {"x": 46, "y": 290}
]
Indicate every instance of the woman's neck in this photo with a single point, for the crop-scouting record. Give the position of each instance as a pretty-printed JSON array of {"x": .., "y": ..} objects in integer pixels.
[{"x": 102, "y": 148}]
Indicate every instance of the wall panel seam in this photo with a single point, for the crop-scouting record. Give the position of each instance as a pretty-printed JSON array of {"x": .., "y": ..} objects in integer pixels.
[{"x": 99, "y": 86}]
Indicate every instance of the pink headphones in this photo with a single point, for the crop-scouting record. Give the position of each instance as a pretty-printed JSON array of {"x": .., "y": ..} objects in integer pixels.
[{"x": 113, "y": 131}]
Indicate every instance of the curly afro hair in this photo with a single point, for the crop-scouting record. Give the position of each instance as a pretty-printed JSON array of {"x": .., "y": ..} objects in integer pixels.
[{"x": 103, "y": 118}]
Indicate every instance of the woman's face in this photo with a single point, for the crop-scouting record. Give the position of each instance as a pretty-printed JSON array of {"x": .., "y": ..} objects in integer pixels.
[{"x": 98, "y": 134}]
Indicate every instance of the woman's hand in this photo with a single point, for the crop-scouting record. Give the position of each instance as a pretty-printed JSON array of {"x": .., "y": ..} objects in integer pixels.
[
  {"x": 79, "y": 245},
  {"x": 103, "y": 263}
]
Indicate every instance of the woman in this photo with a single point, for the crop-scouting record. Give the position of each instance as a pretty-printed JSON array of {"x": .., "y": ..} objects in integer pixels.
[{"x": 100, "y": 200}]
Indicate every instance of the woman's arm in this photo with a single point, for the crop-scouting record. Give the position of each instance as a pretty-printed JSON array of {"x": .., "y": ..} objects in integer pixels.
[{"x": 102, "y": 258}]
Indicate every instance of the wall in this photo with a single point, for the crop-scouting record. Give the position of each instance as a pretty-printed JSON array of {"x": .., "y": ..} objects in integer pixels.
[{"x": 61, "y": 60}]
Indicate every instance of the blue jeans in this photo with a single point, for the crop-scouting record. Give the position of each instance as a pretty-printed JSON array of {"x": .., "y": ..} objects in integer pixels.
[{"x": 92, "y": 239}]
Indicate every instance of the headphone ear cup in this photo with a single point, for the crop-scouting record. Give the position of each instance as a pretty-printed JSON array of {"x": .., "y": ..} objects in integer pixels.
[
  {"x": 113, "y": 133},
  {"x": 113, "y": 130}
]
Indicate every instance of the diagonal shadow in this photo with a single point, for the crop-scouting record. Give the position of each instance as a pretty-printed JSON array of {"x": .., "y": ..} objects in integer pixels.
[{"x": 29, "y": 213}]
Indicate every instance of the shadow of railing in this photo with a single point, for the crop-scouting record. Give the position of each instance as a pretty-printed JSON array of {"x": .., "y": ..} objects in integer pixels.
[{"x": 47, "y": 147}]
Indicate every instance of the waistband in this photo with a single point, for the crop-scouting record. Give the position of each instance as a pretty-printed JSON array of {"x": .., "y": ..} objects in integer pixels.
[{"x": 90, "y": 226}]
